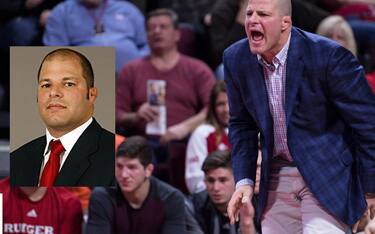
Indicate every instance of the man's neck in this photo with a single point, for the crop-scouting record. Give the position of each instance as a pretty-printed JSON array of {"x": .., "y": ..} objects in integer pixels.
[
  {"x": 269, "y": 55},
  {"x": 34, "y": 193},
  {"x": 57, "y": 132},
  {"x": 165, "y": 61},
  {"x": 137, "y": 197},
  {"x": 222, "y": 208}
]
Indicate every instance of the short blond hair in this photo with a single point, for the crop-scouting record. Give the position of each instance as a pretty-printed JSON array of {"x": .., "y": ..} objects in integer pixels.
[{"x": 327, "y": 26}]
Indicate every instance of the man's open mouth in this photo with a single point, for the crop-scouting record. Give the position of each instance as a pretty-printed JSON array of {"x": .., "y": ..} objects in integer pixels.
[{"x": 256, "y": 35}]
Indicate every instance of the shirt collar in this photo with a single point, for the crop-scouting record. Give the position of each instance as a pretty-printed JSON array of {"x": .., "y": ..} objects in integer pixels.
[{"x": 69, "y": 139}]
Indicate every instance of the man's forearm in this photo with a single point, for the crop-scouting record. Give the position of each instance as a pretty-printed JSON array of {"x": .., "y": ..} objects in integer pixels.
[{"x": 194, "y": 121}]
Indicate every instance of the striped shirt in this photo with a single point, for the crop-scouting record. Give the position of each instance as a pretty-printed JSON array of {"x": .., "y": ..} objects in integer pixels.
[{"x": 275, "y": 77}]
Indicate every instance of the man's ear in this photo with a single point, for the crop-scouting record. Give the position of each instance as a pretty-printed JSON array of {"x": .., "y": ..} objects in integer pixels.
[
  {"x": 177, "y": 35},
  {"x": 93, "y": 94},
  {"x": 286, "y": 23},
  {"x": 149, "y": 169}
]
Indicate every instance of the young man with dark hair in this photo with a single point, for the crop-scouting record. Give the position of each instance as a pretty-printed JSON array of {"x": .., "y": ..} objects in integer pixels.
[
  {"x": 210, "y": 206},
  {"x": 139, "y": 203}
]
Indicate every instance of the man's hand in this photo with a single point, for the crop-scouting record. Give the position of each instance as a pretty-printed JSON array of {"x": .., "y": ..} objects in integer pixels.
[
  {"x": 147, "y": 112},
  {"x": 368, "y": 215},
  {"x": 361, "y": 224},
  {"x": 247, "y": 213},
  {"x": 243, "y": 194},
  {"x": 175, "y": 132},
  {"x": 43, "y": 17},
  {"x": 29, "y": 4},
  {"x": 370, "y": 199},
  {"x": 370, "y": 228}
]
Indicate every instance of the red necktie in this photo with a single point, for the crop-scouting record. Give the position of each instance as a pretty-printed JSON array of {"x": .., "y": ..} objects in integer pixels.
[{"x": 52, "y": 167}]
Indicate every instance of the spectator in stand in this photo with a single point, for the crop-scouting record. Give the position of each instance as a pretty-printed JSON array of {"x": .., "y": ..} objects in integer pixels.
[
  {"x": 22, "y": 21},
  {"x": 360, "y": 15},
  {"x": 40, "y": 210},
  {"x": 337, "y": 28},
  {"x": 99, "y": 23},
  {"x": 371, "y": 79},
  {"x": 210, "y": 206},
  {"x": 188, "y": 83},
  {"x": 139, "y": 203},
  {"x": 208, "y": 137},
  {"x": 21, "y": 24}
]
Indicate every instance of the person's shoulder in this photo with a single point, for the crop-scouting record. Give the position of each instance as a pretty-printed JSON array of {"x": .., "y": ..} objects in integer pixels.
[
  {"x": 106, "y": 134},
  {"x": 126, "y": 6},
  {"x": 316, "y": 49},
  {"x": 101, "y": 193},
  {"x": 199, "y": 199},
  {"x": 136, "y": 65},
  {"x": 139, "y": 62},
  {"x": 105, "y": 196},
  {"x": 189, "y": 61},
  {"x": 203, "y": 130},
  {"x": 241, "y": 45},
  {"x": 5, "y": 185},
  {"x": 66, "y": 196},
  {"x": 66, "y": 7},
  {"x": 196, "y": 70},
  {"x": 201, "y": 203},
  {"x": 164, "y": 191},
  {"x": 29, "y": 147},
  {"x": 312, "y": 40}
]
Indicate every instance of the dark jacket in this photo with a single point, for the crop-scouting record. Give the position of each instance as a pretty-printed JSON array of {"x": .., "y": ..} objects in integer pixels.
[{"x": 90, "y": 162}]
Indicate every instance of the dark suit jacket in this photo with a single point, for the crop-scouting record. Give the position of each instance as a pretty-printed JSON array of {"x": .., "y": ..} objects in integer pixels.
[
  {"x": 90, "y": 162},
  {"x": 330, "y": 118}
]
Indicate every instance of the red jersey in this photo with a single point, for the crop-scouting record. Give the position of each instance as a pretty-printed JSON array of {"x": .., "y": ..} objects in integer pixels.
[
  {"x": 58, "y": 212},
  {"x": 371, "y": 80}
]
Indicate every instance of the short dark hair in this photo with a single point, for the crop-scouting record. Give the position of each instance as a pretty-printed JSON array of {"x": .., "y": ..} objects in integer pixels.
[
  {"x": 136, "y": 147},
  {"x": 216, "y": 160},
  {"x": 87, "y": 70},
  {"x": 164, "y": 11}
]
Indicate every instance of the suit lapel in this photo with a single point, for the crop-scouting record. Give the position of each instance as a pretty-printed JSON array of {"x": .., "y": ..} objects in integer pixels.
[
  {"x": 32, "y": 169},
  {"x": 294, "y": 72},
  {"x": 79, "y": 158},
  {"x": 258, "y": 92}
]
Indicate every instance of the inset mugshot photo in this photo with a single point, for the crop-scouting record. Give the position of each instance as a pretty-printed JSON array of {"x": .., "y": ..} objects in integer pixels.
[{"x": 62, "y": 116}]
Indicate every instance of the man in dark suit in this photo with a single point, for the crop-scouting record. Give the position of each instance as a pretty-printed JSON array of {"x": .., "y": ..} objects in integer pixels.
[
  {"x": 309, "y": 100},
  {"x": 76, "y": 150}
]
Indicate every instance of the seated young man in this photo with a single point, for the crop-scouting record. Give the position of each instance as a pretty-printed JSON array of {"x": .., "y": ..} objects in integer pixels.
[
  {"x": 210, "y": 206},
  {"x": 139, "y": 203}
]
